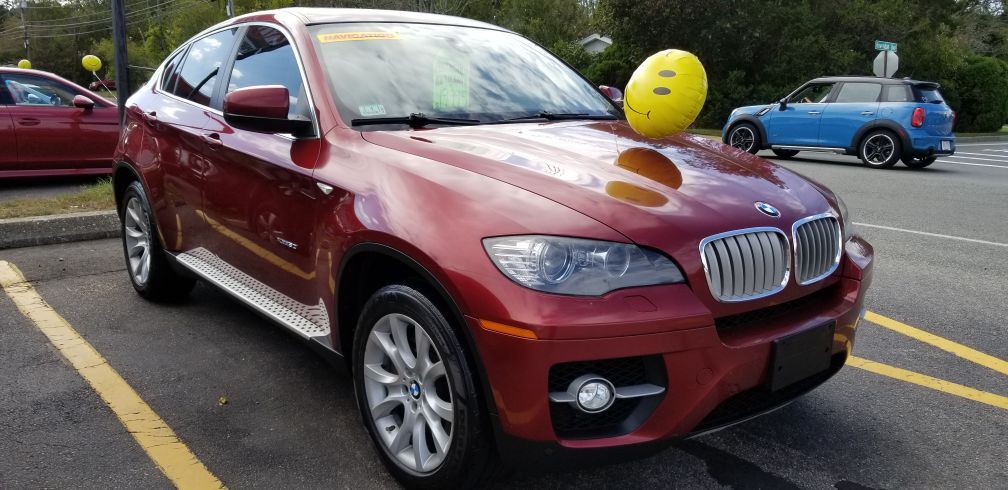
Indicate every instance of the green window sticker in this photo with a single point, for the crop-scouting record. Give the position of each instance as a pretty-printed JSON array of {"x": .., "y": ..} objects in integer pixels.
[
  {"x": 371, "y": 110},
  {"x": 451, "y": 83}
]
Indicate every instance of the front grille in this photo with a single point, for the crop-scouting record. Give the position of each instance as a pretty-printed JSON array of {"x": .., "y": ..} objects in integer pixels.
[
  {"x": 817, "y": 247},
  {"x": 624, "y": 415},
  {"x": 746, "y": 264},
  {"x": 761, "y": 316}
]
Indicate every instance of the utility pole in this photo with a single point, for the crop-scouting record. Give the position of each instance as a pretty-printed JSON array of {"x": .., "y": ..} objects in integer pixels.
[
  {"x": 27, "y": 51},
  {"x": 121, "y": 63}
]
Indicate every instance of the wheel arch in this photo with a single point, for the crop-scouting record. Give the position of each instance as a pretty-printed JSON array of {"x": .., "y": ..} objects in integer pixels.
[
  {"x": 755, "y": 121},
  {"x": 886, "y": 124},
  {"x": 368, "y": 266}
]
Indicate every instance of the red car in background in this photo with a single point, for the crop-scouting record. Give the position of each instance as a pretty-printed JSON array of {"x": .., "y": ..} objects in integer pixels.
[
  {"x": 508, "y": 270},
  {"x": 52, "y": 126}
]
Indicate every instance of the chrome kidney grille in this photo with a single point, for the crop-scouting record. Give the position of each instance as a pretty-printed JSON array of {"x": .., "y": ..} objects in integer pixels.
[
  {"x": 746, "y": 264},
  {"x": 816, "y": 247}
]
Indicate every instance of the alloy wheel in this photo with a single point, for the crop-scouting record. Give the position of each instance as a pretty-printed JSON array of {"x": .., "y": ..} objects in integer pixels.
[
  {"x": 408, "y": 393},
  {"x": 742, "y": 138},
  {"x": 136, "y": 231},
  {"x": 879, "y": 149}
]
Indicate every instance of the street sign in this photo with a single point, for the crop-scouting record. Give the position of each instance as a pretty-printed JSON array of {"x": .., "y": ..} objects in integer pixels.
[
  {"x": 885, "y": 46},
  {"x": 886, "y": 64}
]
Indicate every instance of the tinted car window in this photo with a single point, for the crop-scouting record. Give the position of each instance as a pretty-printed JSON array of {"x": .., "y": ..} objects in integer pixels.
[
  {"x": 816, "y": 92},
  {"x": 170, "y": 74},
  {"x": 897, "y": 93},
  {"x": 928, "y": 94},
  {"x": 859, "y": 92},
  {"x": 200, "y": 70},
  {"x": 38, "y": 91},
  {"x": 265, "y": 57}
]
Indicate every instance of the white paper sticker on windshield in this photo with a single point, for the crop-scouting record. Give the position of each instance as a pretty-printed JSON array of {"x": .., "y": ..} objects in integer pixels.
[{"x": 371, "y": 110}]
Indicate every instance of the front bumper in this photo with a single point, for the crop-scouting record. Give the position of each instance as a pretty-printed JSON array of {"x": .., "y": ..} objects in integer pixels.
[{"x": 713, "y": 373}]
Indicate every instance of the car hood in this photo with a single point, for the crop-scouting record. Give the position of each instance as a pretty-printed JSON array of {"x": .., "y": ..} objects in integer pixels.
[{"x": 666, "y": 193}]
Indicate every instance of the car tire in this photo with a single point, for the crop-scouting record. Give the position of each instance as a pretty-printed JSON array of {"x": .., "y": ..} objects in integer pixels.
[
  {"x": 785, "y": 153},
  {"x": 745, "y": 137},
  {"x": 915, "y": 162},
  {"x": 147, "y": 263},
  {"x": 396, "y": 323},
  {"x": 880, "y": 149}
]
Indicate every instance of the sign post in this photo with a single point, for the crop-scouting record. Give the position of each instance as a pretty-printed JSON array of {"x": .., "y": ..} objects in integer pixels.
[{"x": 887, "y": 62}]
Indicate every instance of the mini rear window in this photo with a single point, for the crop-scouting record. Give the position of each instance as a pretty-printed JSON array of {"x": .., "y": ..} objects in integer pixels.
[{"x": 928, "y": 94}]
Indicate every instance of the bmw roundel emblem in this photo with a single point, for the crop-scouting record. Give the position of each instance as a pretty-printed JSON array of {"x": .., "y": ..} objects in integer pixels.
[
  {"x": 767, "y": 209},
  {"x": 414, "y": 389}
]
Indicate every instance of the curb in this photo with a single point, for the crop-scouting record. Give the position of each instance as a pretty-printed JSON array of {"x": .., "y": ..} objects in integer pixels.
[
  {"x": 59, "y": 228},
  {"x": 982, "y": 139}
]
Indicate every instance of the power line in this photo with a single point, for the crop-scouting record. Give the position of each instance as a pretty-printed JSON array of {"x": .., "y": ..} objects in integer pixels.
[
  {"x": 48, "y": 31},
  {"x": 135, "y": 20}
]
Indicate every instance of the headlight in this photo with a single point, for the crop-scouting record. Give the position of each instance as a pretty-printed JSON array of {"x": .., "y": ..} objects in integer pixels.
[
  {"x": 577, "y": 266},
  {"x": 848, "y": 227}
]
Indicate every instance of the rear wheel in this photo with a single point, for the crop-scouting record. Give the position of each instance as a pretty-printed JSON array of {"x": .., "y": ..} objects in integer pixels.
[
  {"x": 914, "y": 162},
  {"x": 745, "y": 137},
  {"x": 880, "y": 149},
  {"x": 417, "y": 393},
  {"x": 785, "y": 153},
  {"x": 146, "y": 262}
]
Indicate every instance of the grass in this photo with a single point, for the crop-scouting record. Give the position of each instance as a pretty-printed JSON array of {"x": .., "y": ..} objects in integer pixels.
[
  {"x": 704, "y": 131},
  {"x": 94, "y": 197},
  {"x": 1001, "y": 132}
]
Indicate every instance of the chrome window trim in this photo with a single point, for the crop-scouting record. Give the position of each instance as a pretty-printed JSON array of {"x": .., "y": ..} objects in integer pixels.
[
  {"x": 836, "y": 258},
  {"x": 771, "y": 229},
  {"x": 297, "y": 56}
]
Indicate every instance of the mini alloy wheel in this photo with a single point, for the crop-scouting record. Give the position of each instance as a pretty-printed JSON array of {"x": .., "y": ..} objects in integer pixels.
[
  {"x": 880, "y": 149},
  {"x": 408, "y": 393},
  {"x": 744, "y": 138}
]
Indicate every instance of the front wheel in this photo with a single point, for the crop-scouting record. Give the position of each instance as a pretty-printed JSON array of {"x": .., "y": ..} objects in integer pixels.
[
  {"x": 417, "y": 393},
  {"x": 745, "y": 137},
  {"x": 914, "y": 162},
  {"x": 880, "y": 149}
]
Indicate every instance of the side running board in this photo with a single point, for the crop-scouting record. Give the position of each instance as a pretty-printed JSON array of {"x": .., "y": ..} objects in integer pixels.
[{"x": 307, "y": 320}]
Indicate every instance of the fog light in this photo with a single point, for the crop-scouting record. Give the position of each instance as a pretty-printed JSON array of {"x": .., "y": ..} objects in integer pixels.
[{"x": 593, "y": 394}]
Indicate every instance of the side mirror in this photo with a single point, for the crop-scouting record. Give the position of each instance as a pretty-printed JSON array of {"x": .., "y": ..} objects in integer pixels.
[
  {"x": 614, "y": 94},
  {"x": 783, "y": 103},
  {"x": 83, "y": 102},
  {"x": 263, "y": 109}
]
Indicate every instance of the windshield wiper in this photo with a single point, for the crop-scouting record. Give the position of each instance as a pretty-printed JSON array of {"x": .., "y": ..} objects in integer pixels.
[
  {"x": 559, "y": 116},
  {"x": 415, "y": 120}
]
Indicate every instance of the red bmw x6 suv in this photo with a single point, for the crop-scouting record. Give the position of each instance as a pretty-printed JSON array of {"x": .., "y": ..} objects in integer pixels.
[{"x": 509, "y": 271}]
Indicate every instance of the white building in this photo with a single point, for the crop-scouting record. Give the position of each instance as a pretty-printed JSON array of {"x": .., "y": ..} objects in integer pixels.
[{"x": 595, "y": 43}]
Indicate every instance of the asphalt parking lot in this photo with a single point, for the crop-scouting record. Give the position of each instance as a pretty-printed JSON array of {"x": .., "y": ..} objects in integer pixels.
[
  {"x": 38, "y": 187},
  {"x": 260, "y": 410}
]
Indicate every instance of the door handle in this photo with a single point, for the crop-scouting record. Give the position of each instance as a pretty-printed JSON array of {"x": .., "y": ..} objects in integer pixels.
[
  {"x": 28, "y": 121},
  {"x": 212, "y": 140},
  {"x": 867, "y": 113},
  {"x": 815, "y": 113}
]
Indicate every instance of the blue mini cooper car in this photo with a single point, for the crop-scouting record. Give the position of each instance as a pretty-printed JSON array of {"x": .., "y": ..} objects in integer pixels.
[{"x": 881, "y": 120}]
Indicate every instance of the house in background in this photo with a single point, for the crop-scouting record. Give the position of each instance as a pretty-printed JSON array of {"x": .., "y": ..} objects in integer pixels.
[{"x": 595, "y": 43}]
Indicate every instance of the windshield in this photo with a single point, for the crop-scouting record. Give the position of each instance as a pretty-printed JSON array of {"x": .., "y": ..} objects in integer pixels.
[{"x": 387, "y": 70}]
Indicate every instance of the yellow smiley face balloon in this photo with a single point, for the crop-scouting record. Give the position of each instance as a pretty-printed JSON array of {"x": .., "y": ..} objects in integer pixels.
[{"x": 665, "y": 93}]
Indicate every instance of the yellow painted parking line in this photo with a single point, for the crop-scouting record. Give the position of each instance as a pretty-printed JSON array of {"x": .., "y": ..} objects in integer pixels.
[
  {"x": 960, "y": 350},
  {"x": 929, "y": 382},
  {"x": 169, "y": 453}
]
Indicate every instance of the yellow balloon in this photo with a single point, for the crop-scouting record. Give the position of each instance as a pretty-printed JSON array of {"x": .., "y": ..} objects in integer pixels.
[
  {"x": 91, "y": 63},
  {"x": 24, "y": 64},
  {"x": 665, "y": 93}
]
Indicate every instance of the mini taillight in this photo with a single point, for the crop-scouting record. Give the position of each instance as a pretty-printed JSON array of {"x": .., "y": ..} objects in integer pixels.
[{"x": 918, "y": 117}]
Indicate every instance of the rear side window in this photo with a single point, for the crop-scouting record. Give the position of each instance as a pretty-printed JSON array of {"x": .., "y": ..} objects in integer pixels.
[
  {"x": 859, "y": 92},
  {"x": 265, "y": 57},
  {"x": 897, "y": 93},
  {"x": 170, "y": 75},
  {"x": 201, "y": 68},
  {"x": 928, "y": 94}
]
